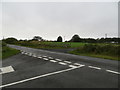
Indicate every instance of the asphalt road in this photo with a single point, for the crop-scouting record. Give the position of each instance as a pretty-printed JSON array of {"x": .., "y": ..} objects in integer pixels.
[{"x": 35, "y": 68}]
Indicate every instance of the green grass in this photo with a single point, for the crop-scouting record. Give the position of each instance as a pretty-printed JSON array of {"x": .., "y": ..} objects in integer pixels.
[
  {"x": 7, "y": 52},
  {"x": 51, "y": 45},
  {"x": 58, "y": 44},
  {"x": 76, "y": 44},
  {"x": 96, "y": 55},
  {"x": 99, "y": 51},
  {"x": 72, "y": 44}
]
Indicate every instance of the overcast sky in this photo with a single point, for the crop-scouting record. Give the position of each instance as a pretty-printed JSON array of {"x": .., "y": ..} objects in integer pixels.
[{"x": 23, "y": 20}]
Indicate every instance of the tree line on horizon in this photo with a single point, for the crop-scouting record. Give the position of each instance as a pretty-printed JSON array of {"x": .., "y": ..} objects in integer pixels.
[{"x": 75, "y": 38}]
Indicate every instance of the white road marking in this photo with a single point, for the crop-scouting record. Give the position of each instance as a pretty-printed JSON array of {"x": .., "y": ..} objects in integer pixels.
[
  {"x": 53, "y": 61},
  {"x": 25, "y": 53},
  {"x": 30, "y": 54},
  {"x": 94, "y": 67},
  {"x": 45, "y": 75},
  {"x": 113, "y": 71},
  {"x": 58, "y": 59},
  {"x": 72, "y": 66},
  {"x": 50, "y": 57},
  {"x": 39, "y": 57},
  {"x": 62, "y": 63},
  {"x": 7, "y": 69},
  {"x": 77, "y": 64},
  {"x": 67, "y": 61},
  {"x": 44, "y": 56},
  {"x": 22, "y": 52},
  {"x": 34, "y": 56},
  {"x": 45, "y": 59}
]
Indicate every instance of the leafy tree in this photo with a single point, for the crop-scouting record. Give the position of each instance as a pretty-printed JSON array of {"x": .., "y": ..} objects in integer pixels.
[
  {"x": 75, "y": 38},
  {"x": 59, "y": 39},
  {"x": 37, "y": 38},
  {"x": 11, "y": 40}
]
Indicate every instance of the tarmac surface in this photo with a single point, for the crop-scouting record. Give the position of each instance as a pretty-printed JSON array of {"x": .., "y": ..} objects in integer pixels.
[{"x": 36, "y": 68}]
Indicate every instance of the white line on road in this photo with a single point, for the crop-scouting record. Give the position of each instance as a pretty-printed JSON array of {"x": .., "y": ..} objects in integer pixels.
[
  {"x": 39, "y": 57},
  {"x": 22, "y": 52},
  {"x": 58, "y": 59},
  {"x": 72, "y": 66},
  {"x": 94, "y": 67},
  {"x": 53, "y": 61},
  {"x": 34, "y": 56},
  {"x": 44, "y": 56},
  {"x": 77, "y": 64},
  {"x": 45, "y": 59},
  {"x": 113, "y": 71},
  {"x": 67, "y": 61},
  {"x": 50, "y": 57},
  {"x": 62, "y": 63},
  {"x": 29, "y": 54},
  {"x": 25, "y": 80},
  {"x": 25, "y": 53},
  {"x": 7, "y": 69}
]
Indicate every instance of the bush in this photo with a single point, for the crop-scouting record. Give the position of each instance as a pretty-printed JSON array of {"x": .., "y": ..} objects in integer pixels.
[
  {"x": 11, "y": 40},
  {"x": 100, "y": 49},
  {"x": 59, "y": 39}
]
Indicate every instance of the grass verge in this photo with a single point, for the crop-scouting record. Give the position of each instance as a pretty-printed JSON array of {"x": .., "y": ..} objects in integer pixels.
[
  {"x": 96, "y": 55},
  {"x": 7, "y": 52}
]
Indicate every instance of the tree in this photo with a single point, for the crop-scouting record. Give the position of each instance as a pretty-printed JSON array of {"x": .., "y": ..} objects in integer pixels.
[
  {"x": 59, "y": 39},
  {"x": 11, "y": 40},
  {"x": 37, "y": 38},
  {"x": 75, "y": 38}
]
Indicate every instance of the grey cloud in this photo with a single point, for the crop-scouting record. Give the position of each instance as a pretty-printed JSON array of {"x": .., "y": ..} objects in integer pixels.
[{"x": 49, "y": 20}]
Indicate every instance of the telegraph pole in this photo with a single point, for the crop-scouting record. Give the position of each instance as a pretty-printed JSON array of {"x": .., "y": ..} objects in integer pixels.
[
  {"x": 3, "y": 37},
  {"x": 64, "y": 38},
  {"x": 106, "y": 35}
]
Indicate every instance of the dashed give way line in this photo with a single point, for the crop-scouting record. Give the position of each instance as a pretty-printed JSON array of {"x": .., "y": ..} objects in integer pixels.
[
  {"x": 94, "y": 67},
  {"x": 51, "y": 59},
  {"x": 40, "y": 76},
  {"x": 113, "y": 71}
]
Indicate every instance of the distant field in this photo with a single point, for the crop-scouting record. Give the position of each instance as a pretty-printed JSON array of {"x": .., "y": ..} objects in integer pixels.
[
  {"x": 76, "y": 44},
  {"x": 71, "y": 44}
]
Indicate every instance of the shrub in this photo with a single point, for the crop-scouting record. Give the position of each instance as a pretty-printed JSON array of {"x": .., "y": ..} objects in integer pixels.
[
  {"x": 59, "y": 39},
  {"x": 100, "y": 49}
]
